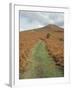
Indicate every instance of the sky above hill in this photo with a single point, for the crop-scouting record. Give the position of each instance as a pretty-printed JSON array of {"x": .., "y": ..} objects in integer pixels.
[{"x": 31, "y": 19}]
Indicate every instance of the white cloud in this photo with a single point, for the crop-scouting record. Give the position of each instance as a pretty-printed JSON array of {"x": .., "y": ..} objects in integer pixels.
[
  {"x": 51, "y": 21},
  {"x": 29, "y": 20}
]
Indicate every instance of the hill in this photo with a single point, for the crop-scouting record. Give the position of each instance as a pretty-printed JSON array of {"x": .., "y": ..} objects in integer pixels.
[{"x": 51, "y": 35}]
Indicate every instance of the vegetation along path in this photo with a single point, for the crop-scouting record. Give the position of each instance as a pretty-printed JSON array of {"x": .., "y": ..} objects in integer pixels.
[{"x": 41, "y": 64}]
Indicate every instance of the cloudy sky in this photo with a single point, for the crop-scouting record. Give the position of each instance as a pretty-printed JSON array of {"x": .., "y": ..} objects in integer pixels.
[{"x": 30, "y": 20}]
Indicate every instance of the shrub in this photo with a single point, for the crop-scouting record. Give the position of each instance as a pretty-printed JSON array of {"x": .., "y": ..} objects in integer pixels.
[
  {"x": 61, "y": 39},
  {"x": 48, "y": 35}
]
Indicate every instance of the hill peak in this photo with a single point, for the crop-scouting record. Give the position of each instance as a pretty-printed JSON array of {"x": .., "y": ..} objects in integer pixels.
[{"x": 53, "y": 27}]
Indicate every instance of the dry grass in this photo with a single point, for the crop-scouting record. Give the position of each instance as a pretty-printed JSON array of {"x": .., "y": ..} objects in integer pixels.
[{"x": 52, "y": 36}]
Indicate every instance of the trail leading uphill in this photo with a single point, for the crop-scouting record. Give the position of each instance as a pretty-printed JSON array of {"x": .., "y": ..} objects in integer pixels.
[{"x": 41, "y": 64}]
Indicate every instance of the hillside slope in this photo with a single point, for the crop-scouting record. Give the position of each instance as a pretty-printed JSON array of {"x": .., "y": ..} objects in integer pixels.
[
  {"x": 40, "y": 63},
  {"x": 52, "y": 35}
]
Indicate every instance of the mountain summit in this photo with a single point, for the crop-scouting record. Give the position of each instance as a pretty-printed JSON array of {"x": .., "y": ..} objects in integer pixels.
[{"x": 53, "y": 27}]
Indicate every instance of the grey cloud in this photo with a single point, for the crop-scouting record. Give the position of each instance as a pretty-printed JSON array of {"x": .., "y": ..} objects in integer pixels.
[{"x": 42, "y": 18}]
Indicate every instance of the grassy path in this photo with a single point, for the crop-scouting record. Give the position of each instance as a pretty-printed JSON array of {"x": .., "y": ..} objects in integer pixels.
[{"x": 42, "y": 65}]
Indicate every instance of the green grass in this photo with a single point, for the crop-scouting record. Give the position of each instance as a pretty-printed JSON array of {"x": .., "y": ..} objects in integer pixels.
[{"x": 42, "y": 65}]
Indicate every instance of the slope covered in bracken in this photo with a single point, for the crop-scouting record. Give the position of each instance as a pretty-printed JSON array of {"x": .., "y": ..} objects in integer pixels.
[{"x": 52, "y": 35}]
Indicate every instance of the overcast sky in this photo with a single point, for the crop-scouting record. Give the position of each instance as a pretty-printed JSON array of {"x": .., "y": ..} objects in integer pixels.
[{"x": 30, "y": 20}]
